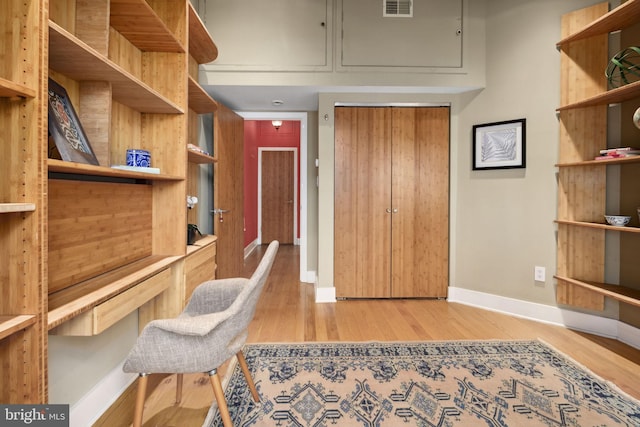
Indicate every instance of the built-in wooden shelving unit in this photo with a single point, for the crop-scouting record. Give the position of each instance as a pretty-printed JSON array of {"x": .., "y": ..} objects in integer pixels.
[
  {"x": 79, "y": 61},
  {"x": 582, "y": 194},
  {"x": 84, "y": 246}
]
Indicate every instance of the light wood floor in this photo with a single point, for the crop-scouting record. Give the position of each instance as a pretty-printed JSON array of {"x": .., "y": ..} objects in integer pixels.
[{"x": 287, "y": 313}]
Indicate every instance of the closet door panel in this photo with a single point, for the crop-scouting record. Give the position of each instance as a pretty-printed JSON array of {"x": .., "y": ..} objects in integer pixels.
[
  {"x": 362, "y": 197},
  {"x": 420, "y": 199}
]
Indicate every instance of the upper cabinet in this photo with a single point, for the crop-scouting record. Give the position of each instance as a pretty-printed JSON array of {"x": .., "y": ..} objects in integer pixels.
[{"x": 259, "y": 35}]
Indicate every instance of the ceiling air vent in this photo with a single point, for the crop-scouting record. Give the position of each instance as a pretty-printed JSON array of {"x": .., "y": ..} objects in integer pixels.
[{"x": 397, "y": 8}]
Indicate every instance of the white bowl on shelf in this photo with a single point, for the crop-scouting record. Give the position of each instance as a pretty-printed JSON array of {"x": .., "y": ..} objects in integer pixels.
[{"x": 617, "y": 220}]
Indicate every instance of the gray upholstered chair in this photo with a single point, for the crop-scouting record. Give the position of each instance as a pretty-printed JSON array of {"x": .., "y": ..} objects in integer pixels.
[{"x": 211, "y": 329}]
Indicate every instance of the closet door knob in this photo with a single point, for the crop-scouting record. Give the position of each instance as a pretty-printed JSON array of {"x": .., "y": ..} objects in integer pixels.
[{"x": 388, "y": 210}]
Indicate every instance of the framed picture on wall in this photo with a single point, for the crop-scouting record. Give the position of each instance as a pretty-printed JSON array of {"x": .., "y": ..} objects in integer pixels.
[
  {"x": 499, "y": 145},
  {"x": 65, "y": 128}
]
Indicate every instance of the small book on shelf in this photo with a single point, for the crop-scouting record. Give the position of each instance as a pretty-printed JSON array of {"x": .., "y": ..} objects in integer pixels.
[{"x": 616, "y": 153}]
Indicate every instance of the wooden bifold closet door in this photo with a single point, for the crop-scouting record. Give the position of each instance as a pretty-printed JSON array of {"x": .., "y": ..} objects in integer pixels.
[{"x": 391, "y": 202}]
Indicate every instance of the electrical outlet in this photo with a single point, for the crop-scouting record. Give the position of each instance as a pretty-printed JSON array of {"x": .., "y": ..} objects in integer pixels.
[{"x": 539, "y": 274}]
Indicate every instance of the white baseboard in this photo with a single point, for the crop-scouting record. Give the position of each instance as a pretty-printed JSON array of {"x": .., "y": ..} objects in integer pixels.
[
  {"x": 92, "y": 405},
  {"x": 325, "y": 294},
  {"x": 308, "y": 277},
  {"x": 589, "y": 323},
  {"x": 250, "y": 248}
]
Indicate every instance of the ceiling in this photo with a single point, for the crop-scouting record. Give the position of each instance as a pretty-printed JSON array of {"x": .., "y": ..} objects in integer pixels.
[{"x": 300, "y": 98}]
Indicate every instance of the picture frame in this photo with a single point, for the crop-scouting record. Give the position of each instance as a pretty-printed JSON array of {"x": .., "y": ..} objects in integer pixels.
[
  {"x": 65, "y": 127},
  {"x": 500, "y": 145}
]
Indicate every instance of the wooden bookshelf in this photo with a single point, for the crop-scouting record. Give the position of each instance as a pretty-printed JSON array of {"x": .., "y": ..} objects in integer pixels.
[{"x": 77, "y": 60}]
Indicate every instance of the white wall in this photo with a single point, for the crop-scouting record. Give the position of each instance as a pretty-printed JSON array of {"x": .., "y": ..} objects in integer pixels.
[{"x": 504, "y": 222}]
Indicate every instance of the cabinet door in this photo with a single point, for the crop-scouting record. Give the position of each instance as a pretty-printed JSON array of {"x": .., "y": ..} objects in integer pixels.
[
  {"x": 420, "y": 189},
  {"x": 362, "y": 198}
]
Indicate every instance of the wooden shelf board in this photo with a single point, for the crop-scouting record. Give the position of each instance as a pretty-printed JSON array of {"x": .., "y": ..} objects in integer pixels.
[
  {"x": 599, "y": 226},
  {"x": 12, "y": 324},
  {"x": 140, "y": 24},
  {"x": 77, "y": 299},
  {"x": 620, "y": 293},
  {"x": 201, "y": 46},
  {"x": 75, "y": 59},
  {"x": 604, "y": 162},
  {"x": 626, "y": 15},
  {"x": 17, "y": 207},
  {"x": 613, "y": 96},
  {"x": 61, "y": 166},
  {"x": 9, "y": 89},
  {"x": 200, "y": 158},
  {"x": 199, "y": 99},
  {"x": 204, "y": 241}
]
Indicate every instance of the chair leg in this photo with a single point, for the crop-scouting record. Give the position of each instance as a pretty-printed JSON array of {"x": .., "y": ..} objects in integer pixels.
[
  {"x": 142, "y": 391},
  {"x": 179, "y": 381},
  {"x": 219, "y": 394},
  {"x": 245, "y": 370}
]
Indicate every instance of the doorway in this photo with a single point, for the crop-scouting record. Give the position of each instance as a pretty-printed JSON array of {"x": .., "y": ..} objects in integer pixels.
[
  {"x": 305, "y": 275},
  {"x": 278, "y": 196}
]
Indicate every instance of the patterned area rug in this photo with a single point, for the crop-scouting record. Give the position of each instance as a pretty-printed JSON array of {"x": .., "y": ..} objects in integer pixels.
[{"x": 451, "y": 383}]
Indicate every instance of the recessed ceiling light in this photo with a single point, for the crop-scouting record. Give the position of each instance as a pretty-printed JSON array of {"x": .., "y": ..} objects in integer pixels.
[{"x": 277, "y": 102}]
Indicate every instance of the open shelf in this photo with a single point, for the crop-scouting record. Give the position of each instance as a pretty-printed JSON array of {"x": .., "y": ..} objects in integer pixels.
[
  {"x": 201, "y": 46},
  {"x": 77, "y": 60},
  {"x": 199, "y": 99},
  {"x": 613, "y": 96},
  {"x": 603, "y": 162},
  {"x": 70, "y": 302},
  {"x": 625, "y": 229},
  {"x": 200, "y": 158},
  {"x": 140, "y": 24},
  {"x": 9, "y": 89},
  {"x": 61, "y": 166},
  {"x": 12, "y": 324},
  {"x": 620, "y": 293},
  {"x": 626, "y": 15},
  {"x": 17, "y": 207}
]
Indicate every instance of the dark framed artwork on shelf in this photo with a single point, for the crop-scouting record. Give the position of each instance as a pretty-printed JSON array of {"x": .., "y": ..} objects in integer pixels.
[
  {"x": 499, "y": 145},
  {"x": 65, "y": 128}
]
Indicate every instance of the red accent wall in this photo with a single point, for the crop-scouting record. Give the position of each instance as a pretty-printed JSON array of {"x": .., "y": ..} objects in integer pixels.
[{"x": 261, "y": 133}]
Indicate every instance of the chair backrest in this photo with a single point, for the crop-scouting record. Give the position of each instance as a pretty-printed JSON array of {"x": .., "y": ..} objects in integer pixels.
[{"x": 247, "y": 300}]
